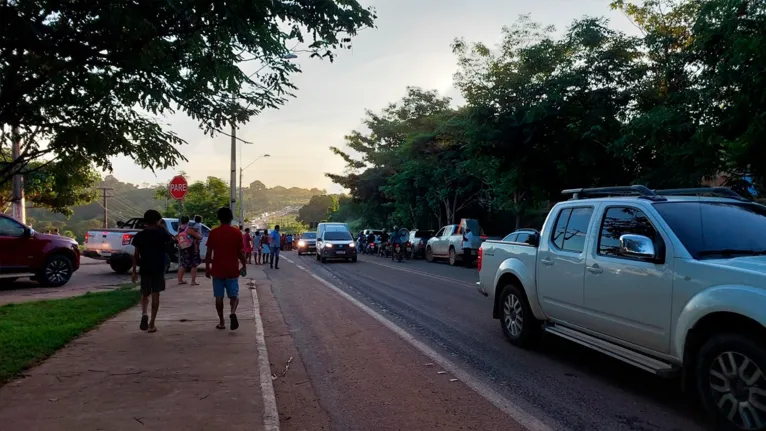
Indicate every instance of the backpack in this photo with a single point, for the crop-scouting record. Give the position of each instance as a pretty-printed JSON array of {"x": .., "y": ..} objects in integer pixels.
[{"x": 184, "y": 240}]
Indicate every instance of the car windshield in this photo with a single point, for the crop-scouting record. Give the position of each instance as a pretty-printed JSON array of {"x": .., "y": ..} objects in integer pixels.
[
  {"x": 309, "y": 235},
  {"x": 337, "y": 236},
  {"x": 717, "y": 229}
]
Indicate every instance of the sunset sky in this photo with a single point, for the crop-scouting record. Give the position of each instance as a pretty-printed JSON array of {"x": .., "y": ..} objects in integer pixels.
[{"x": 409, "y": 47}]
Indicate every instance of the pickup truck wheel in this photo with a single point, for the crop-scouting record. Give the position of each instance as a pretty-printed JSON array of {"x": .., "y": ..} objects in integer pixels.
[
  {"x": 429, "y": 254},
  {"x": 731, "y": 382},
  {"x": 57, "y": 271},
  {"x": 120, "y": 266},
  {"x": 516, "y": 318},
  {"x": 452, "y": 257}
]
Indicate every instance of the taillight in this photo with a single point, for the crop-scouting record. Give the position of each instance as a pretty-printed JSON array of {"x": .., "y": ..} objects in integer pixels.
[
  {"x": 483, "y": 237},
  {"x": 126, "y": 238},
  {"x": 478, "y": 262},
  {"x": 86, "y": 237}
]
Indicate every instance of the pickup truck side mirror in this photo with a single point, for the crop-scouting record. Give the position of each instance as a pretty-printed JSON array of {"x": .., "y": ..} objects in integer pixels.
[
  {"x": 29, "y": 232},
  {"x": 637, "y": 246}
]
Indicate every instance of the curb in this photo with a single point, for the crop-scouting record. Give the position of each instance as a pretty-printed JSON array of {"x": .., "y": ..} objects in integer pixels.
[{"x": 270, "y": 411}]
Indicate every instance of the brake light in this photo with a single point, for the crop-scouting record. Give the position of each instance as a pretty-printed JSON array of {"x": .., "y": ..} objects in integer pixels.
[
  {"x": 483, "y": 236},
  {"x": 126, "y": 238},
  {"x": 86, "y": 237},
  {"x": 478, "y": 262}
]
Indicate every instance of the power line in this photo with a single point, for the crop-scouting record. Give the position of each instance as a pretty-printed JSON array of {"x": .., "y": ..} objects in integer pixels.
[{"x": 105, "y": 196}]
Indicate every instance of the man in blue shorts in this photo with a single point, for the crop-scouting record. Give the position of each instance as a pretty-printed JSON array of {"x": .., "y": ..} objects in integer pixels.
[{"x": 224, "y": 253}]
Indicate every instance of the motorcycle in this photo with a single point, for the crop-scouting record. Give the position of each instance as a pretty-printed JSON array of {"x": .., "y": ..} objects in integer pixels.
[
  {"x": 383, "y": 250},
  {"x": 407, "y": 250},
  {"x": 371, "y": 249},
  {"x": 396, "y": 255}
]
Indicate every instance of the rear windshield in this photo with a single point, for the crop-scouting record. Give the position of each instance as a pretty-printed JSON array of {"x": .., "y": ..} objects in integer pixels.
[
  {"x": 337, "y": 236},
  {"x": 717, "y": 229},
  {"x": 424, "y": 233},
  {"x": 309, "y": 235}
]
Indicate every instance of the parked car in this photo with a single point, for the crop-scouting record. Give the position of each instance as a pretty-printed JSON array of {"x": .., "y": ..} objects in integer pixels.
[
  {"x": 336, "y": 244},
  {"x": 51, "y": 260},
  {"x": 115, "y": 245},
  {"x": 418, "y": 240},
  {"x": 670, "y": 281},
  {"x": 448, "y": 242},
  {"x": 307, "y": 243}
]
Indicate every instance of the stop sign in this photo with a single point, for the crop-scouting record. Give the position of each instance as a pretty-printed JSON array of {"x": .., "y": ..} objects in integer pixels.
[{"x": 178, "y": 187}]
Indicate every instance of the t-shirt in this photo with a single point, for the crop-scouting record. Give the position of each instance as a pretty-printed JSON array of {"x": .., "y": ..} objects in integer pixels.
[
  {"x": 467, "y": 243},
  {"x": 275, "y": 239},
  {"x": 225, "y": 241},
  {"x": 152, "y": 244}
]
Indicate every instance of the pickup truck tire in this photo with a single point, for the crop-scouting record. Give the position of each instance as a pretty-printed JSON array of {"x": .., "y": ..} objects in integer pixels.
[
  {"x": 730, "y": 368},
  {"x": 516, "y": 318},
  {"x": 452, "y": 257},
  {"x": 429, "y": 254},
  {"x": 120, "y": 266},
  {"x": 56, "y": 272}
]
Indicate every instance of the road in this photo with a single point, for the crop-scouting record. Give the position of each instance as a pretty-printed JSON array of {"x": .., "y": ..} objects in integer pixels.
[{"x": 560, "y": 384}]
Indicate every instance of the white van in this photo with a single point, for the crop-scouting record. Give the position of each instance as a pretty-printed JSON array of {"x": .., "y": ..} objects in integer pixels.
[{"x": 323, "y": 227}]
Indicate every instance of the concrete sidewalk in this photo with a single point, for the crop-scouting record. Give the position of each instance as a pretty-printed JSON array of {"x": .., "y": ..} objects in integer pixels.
[{"x": 186, "y": 376}]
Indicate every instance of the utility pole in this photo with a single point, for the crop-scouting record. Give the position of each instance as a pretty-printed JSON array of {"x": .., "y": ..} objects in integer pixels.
[
  {"x": 17, "y": 201},
  {"x": 241, "y": 198},
  {"x": 105, "y": 205},
  {"x": 233, "y": 176}
]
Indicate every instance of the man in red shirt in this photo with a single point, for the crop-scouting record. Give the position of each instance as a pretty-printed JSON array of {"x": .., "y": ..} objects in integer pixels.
[{"x": 225, "y": 253}]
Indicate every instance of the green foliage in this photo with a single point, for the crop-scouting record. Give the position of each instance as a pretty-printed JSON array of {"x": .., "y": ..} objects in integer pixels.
[
  {"x": 202, "y": 198},
  {"x": 318, "y": 209},
  {"x": 680, "y": 106},
  {"x": 91, "y": 79}
]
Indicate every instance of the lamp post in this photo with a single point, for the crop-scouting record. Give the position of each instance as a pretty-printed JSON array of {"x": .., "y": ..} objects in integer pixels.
[
  {"x": 233, "y": 173},
  {"x": 241, "y": 188}
]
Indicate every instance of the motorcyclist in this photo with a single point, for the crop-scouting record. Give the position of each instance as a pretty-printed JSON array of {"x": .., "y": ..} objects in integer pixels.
[
  {"x": 384, "y": 237},
  {"x": 396, "y": 238}
]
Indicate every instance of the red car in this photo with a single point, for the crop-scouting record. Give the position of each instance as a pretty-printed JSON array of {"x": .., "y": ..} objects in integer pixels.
[{"x": 48, "y": 259}]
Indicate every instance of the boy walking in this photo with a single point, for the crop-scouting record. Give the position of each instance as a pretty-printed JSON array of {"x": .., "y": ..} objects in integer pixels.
[
  {"x": 149, "y": 246},
  {"x": 225, "y": 252}
]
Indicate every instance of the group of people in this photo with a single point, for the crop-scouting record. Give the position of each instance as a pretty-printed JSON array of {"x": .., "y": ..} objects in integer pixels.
[
  {"x": 263, "y": 247},
  {"x": 225, "y": 260}
]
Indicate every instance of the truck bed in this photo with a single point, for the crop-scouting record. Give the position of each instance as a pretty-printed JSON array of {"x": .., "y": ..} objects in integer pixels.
[{"x": 499, "y": 256}]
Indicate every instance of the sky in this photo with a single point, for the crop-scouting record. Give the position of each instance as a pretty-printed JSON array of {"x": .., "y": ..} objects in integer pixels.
[{"x": 409, "y": 47}]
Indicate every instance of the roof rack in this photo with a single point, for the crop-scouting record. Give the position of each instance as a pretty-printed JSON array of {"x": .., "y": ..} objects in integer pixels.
[
  {"x": 596, "y": 192},
  {"x": 723, "y": 192}
]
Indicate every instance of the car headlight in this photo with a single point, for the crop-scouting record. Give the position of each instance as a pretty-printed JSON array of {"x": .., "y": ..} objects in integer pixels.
[
  {"x": 352, "y": 245},
  {"x": 328, "y": 245},
  {"x": 301, "y": 243}
]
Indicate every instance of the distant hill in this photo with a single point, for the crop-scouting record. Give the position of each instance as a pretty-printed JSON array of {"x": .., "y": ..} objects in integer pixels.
[{"x": 130, "y": 200}]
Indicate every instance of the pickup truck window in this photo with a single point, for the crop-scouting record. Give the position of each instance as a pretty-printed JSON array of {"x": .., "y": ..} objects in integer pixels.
[
  {"x": 524, "y": 237},
  {"x": 511, "y": 237},
  {"x": 717, "y": 229},
  {"x": 571, "y": 228},
  {"x": 11, "y": 228},
  {"x": 619, "y": 221}
]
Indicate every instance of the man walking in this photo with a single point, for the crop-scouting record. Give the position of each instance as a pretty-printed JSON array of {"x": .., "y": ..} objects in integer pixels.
[
  {"x": 467, "y": 244},
  {"x": 275, "y": 245},
  {"x": 224, "y": 252},
  {"x": 149, "y": 246}
]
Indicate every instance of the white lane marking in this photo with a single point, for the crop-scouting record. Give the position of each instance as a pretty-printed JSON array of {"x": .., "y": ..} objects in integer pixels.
[
  {"x": 270, "y": 412},
  {"x": 423, "y": 273},
  {"x": 521, "y": 416}
]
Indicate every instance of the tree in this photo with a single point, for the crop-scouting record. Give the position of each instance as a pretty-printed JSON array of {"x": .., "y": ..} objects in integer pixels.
[
  {"x": 318, "y": 209},
  {"x": 202, "y": 198},
  {"x": 91, "y": 79},
  {"x": 55, "y": 186}
]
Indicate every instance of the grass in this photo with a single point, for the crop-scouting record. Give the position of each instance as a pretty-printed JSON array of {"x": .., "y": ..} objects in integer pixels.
[{"x": 33, "y": 331}]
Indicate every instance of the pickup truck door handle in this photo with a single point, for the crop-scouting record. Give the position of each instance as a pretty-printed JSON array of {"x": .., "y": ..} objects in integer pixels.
[
  {"x": 546, "y": 262},
  {"x": 595, "y": 269}
]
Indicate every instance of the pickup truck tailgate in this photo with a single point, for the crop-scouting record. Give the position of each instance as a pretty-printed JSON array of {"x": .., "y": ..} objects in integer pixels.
[{"x": 102, "y": 243}]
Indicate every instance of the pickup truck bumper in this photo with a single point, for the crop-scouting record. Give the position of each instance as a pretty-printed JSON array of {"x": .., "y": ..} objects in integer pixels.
[
  {"x": 101, "y": 254},
  {"x": 481, "y": 289}
]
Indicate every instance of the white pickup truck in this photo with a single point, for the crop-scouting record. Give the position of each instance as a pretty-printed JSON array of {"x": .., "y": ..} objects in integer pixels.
[
  {"x": 448, "y": 242},
  {"x": 665, "y": 280},
  {"x": 114, "y": 245}
]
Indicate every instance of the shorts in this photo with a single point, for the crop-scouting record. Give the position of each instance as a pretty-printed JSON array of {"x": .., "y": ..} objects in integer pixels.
[
  {"x": 152, "y": 283},
  {"x": 230, "y": 285}
]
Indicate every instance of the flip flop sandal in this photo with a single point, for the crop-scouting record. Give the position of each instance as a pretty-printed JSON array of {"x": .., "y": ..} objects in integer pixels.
[
  {"x": 144, "y": 323},
  {"x": 219, "y": 326},
  {"x": 234, "y": 322},
  {"x": 194, "y": 283},
  {"x": 153, "y": 329},
  {"x": 181, "y": 282}
]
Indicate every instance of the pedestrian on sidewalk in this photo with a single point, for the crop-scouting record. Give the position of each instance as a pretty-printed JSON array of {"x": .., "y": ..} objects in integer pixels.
[
  {"x": 188, "y": 247},
  {"x": 257, "y": 251},
  {"x": 265, "y": 239},
  {"x": 224, "y": 251},
  {"x": 150, "y": 247},
  {"x": 276, "y": 245},
  {"x": 247, "y": 244},
  {"x": 289, "y": 242}
]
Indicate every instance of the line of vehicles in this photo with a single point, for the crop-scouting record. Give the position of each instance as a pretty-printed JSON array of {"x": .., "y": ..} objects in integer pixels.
[{"x": 670, "y": 281}]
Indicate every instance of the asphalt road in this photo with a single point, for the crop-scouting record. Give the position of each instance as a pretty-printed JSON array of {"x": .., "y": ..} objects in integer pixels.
[{"x": 560, "y": 383}]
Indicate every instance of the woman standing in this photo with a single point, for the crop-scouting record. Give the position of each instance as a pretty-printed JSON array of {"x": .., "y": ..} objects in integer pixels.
[
  {"x": 265, "y": 246},
  {"x": 257, "y": 252},
  {"x": 188, "y": 249},
  {"x": 247, "y": 244}
]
